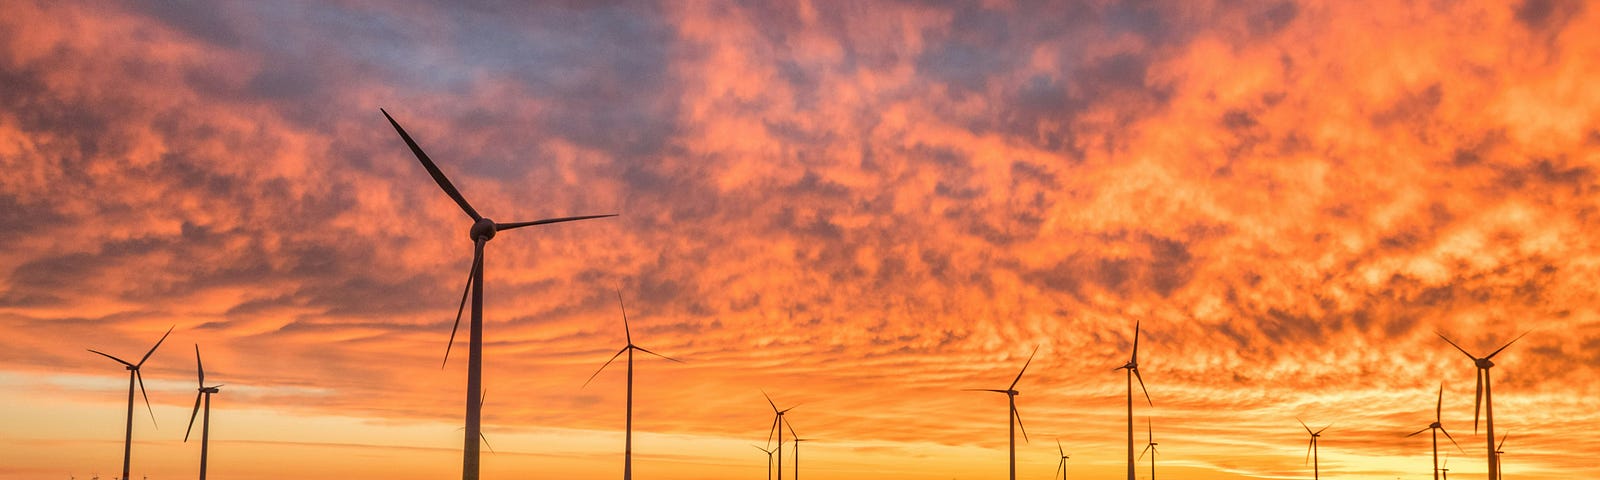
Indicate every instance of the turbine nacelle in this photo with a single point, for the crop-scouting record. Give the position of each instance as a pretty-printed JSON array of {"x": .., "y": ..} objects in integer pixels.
[
  {"x": 1483, "y": 362},
  {"x": 482, "y": 229}
]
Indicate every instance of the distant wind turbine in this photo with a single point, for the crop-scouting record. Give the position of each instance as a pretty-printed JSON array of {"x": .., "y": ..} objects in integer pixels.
[
  {"x": 1437, "y": 426},
  {"x": 1015, "y": 420},
  {"x": 1485, "y": 395},
  {"x": 135, "y": 376},
  {"x": 1061, "y": 469},
  {"x": 778, "y": 424},
  {"x": 205, "y": 423},
  {"x": 1444, "y": 470},
  {"x": 483, "y": 229},
  {"x": 796, "y": 442},
  {"x": 769, "y": 459},
  {"x": 1133, "y": 373},
  {"x": 1151, "y": 448},
  {"x": 627, "y": 449},
  {"x": 1500, "y": 450},
  {"x": 1311, "y": 449}
]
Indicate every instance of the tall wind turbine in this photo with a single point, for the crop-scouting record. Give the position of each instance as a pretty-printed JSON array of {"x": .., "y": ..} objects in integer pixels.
[
  {"x": 483, "y": 229},
  {"x": 1151, "y": 449},
  {"x": 135, "y": 376},
  {"x": 1015, "y": 419},
  {"x": 1061, "y": 469},
  {"x": 796, "y": 442},
  {"x": 627, "y": 449},
  {"x": 1133, "y": 373},
  {"x": 1437, "y": 427},
  {"x": 1485, "y": 395},
  {"x": 778, "y": 423},
  {"x": 205, "y": 423},
  {"x": 769, "y": 460},
  {"x": 1311, "y": 449}
]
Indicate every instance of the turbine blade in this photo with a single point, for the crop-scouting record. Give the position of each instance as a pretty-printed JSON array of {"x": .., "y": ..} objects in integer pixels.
[
  {"x": 1059, "y": 449},
  {"x": 984, "y": 390},
  {"x": 158, "y": 345},
  {"x": 1059, "y": 465},
  {"x": 645, "y": 350},
  {"x": 793, "y": 435},
  {"x": 198, "y": 366},
  {"x": 1452, "y": 439},
  {"x": 1018, "y": 416},
  {"x": 603, "y": 367},
  {"x": 1453, "y": 344},
  {"x": 507, "y": 226},
  {"x": 433, "y": 170},
  {"x": 146, "y": 394},
  {"x": 472, "y": 275},
  {"x": 626, "y": 332},
  {"x": 769, "y": 402},
  {"x": 1413, "y": 434},
  {"x": 1146, "y": 450},
  {"x": 1310, "y": 444},
  {"x": 1303, "y": 424},
  {"x": 1135, "y": 358},
  {"x": 1477, "y": 401},
  {"x": 1438, "y": 408},
  {"x": 486, "y": 443},
  {"x": 772, "y": 429},
  {"x": 111, "y": 357},
  {"x": 1503, "y": 347},
  {"x": 1024, "y": 368},
  {"x": 1319, "y": 432},
  {"x": 1141, "y": 387},
  {"x": 192, "y": 413}
]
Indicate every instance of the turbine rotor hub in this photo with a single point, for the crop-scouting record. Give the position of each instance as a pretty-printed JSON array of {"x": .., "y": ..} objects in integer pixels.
[
  {"x": 1483, "y": 362},
  {"x": 211, "y": 390},
  {"x": 131, "y": 367},
  {"x": 483, "y": 229}
]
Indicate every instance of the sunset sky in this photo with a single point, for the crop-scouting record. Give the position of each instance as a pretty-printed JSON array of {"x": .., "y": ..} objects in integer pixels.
[{"x": 857, "y": 207}]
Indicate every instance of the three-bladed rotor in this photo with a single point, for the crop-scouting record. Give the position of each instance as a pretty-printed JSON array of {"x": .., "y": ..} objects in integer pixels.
[
  {"x": 137, "y": 376},
  {"x": 1133, "y": 365},
  {"x": 1482, "y": 365}
]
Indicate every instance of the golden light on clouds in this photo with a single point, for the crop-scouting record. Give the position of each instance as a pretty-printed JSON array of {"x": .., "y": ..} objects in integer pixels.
[{"x": 858, "y": 207}]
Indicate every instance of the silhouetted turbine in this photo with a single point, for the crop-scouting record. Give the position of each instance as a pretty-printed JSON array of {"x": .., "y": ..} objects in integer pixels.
[
  {"x": 1485, "y": 395},
  {"x": 627, "y": 449},
  {"x": 1500, "y": 450},
  {"x": 1015, "y": 419},
  {"x": 1311, "y": 449},
  {"x": 205, "y": 423},
  {"x": 1061, "y": 469},
  {"x": 796, "y": 442},
  {"x": 135, "y": 376},
  {"x": 1151, "y": 448},
  {"x": 1437, "y": 426},
  {"x": 778, "y": 424},
  {"x": 1133, "y": 373},
  {"x": 1444, "y": 470},
  {"x": 483, "y": 229},
  {"x": 769, "y": 459}
]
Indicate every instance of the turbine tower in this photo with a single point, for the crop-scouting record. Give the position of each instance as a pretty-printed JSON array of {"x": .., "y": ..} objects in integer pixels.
[
  {"x": 1015, "y": 419},
  {"x": 1061, "y": 469},
  {"x": 135, "y": 376},
  {"x": 1437, "y": 427},
  {"x": 1485, "y": 395},
  {"x": 205, "y": 423},
  {"x": 1500, "y": 450},
  {"x": 1151, "y": 448},
  {"x": 796, "y": 442},
  {"x": 778, "y": 423},
  {"x": 627, "y": 449},
  {"x": 1311, "y": 449},
  {"x": 483, "y": 229},
  {"x": 1133, "y": 373}
]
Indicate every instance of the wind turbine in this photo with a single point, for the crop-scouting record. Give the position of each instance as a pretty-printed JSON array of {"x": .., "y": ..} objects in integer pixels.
[
  {"x": 1133, "y": 373},
  {"x": 483, "y": 229},
  {"x": 769, "y": 459},
  {"x": 205, "y": 423},
  {"x": 1061, "y": 469},
  {"x": 1015, "y": 419},
  {"x": 1437, "y": 427},
  {"x": 1497, "y": 452},
  {"x": 1151, "y": 448},
  {"x": 627, "y": 452},
  {"x": 1444, "y": 470},
  {"x": 135, "y": 376},
  {"x": 796, "y": 442},
  {"x": 1311, "y": 449},
  {"x": 1485, "y": 395},
  {"x": 777, "y": 425}
]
